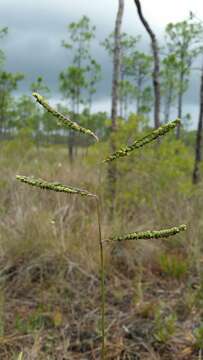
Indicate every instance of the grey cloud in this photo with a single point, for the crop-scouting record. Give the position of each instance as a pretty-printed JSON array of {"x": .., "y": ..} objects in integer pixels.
[{"x": 36, "y": 29}]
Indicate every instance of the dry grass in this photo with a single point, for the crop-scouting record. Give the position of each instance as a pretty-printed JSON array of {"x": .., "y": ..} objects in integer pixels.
[{"x": 49, "y": 303}]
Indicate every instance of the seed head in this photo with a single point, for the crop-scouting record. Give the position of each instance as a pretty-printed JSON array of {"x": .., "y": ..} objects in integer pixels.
[
  {"x": 154, "y": 234},
  {"x": 55, "y": 186},
  {"x": 62, "y": 120},
  {"x": 162, "y": 130}
]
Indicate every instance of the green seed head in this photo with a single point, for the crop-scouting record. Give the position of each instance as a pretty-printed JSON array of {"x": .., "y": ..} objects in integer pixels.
[
  {"x": 63, "y": 120},
  {"x": 154, "y": 234},
  {"x": 52, "y": 186},
  {"x": 162, "y": 130}
]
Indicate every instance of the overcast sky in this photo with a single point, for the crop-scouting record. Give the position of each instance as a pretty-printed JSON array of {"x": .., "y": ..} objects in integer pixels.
[{"x": 37, "y": 27}]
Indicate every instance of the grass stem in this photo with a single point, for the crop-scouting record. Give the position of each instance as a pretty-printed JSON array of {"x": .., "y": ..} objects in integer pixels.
[{"x": 102, "y": 280}]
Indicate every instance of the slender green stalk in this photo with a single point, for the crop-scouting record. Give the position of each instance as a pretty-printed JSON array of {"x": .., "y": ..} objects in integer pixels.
[
  {"x": 102, "y": 280},
  {"x": 154, "y": 234},
  {"x": 52, "y": 186},
  {"x": 62, "y": 120},
  {"x": 162, "y": 130}
]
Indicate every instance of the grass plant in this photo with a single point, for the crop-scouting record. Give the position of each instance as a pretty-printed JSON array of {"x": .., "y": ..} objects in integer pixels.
[{"x": 58, "y": 187}]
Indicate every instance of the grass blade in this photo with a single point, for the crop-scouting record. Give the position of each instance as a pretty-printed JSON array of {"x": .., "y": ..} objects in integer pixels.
[{"x": 162, "y": 130}]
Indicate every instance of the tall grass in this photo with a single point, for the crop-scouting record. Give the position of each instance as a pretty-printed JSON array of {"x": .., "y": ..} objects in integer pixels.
[{"x": 59, "y": 187}]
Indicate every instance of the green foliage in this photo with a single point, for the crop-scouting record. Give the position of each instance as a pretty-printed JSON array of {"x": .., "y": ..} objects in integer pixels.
[
  {"x": 162, "y": 130},
  {"x": 80, "y": 35},
  {"x": 26, "y": 114},
  {"x": 198, "y": 334},
  {"x": 8, "y": 83},
  {"x": 164, "y": 326},
  {"x": 169, "y": 83},
  {"x": 136, "y": 68},
  {"x": 20, "y": 356},
  {"x": 173, "y": 266},
  {"x": 95, "y": 121},
  {"x": 183, "y": 41},
  {"x": 36, "y": 320},
  {"x": 78, "y": 81},
  {"x": 139, "y": 67},
  {"x": 63, "y": 120},
  {"x": 40, "y": 87},
  {"x": 72, "y": 82},
  {"x": 3, "y": 32},
  {"x": 17, "y": 146},
  {"x": 127, "y": 43}
]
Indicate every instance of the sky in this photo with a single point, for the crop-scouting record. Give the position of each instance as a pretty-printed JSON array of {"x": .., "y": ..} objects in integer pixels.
[{"x": 36, "y": 29}]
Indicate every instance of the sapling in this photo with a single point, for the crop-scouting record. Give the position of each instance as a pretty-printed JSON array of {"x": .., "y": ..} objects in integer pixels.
[{"x": 55, "y": 186}]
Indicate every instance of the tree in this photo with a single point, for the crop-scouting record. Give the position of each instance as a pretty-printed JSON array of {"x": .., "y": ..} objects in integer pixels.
[
  {"x": 27, "y": 115},
  {"x": 72, "y": 80},
  {"x": 112, "y": 170},
  {"x": 127, "y": 94},
  {"x": 156, "y": 70},
  {"x": 78, "y": 81},
  {"x": 40, "y": 87},
  {"x": 127, "y": 45},
  {"x": 139, "y": 67},
  {"x": 184, "y": 43},
  {"x": 93, "y": 75},
  {"x": 3, "y": 32},
  {"x": 8, "y": 83},
  {"x": 198, "y": 147},
  {"x": 84, "y": 66},
  {"x": 169, "y": 84}
]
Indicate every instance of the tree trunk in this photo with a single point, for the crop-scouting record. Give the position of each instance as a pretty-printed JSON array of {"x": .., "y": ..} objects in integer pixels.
[
  {"x": 116, "y": 64},
  {"x": 198, "y": 148},
  {"x": 167, "y": 107},
  {"x": 180, "y": 104},
  {"x": 71, "y": 146},
  {"x": 112, "y": 169},
  {"x": 156, "y": 71},
  {"x": 121, "y": 97},
  {"x": 139, "y": 86}
]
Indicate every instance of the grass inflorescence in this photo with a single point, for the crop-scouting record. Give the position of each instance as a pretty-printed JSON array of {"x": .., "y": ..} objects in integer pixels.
[
  {"x": 55, "y": 186},
  {"x": 58, "y": 187},
  {"x": 154, "y": 234},
  {"x": 63, "y": 120},
  {"x": 155, "y": 134}
]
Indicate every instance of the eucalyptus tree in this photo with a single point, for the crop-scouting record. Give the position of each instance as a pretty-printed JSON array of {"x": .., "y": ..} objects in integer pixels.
[{"x": 184, "y": 43}]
